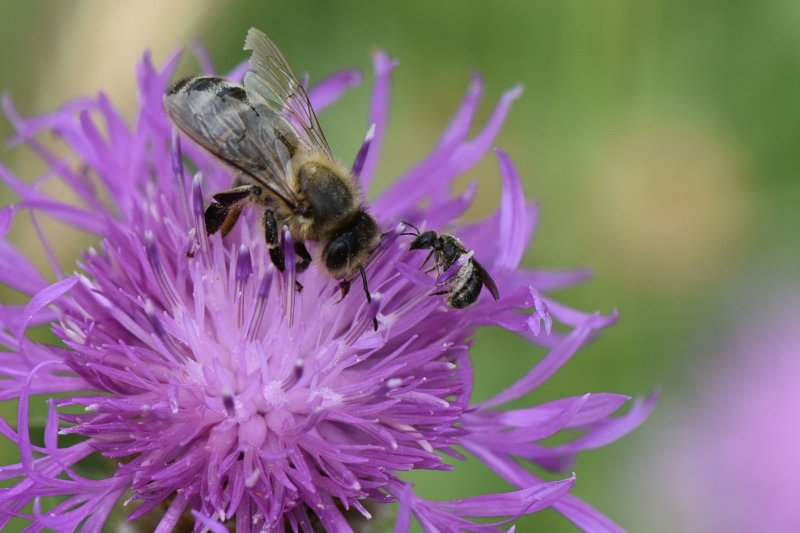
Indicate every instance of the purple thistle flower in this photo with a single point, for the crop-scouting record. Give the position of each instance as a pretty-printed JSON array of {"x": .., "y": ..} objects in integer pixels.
[{"x": 221, "y": 394}]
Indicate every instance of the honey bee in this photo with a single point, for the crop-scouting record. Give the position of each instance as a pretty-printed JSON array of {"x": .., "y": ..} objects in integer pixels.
[
  {"x": 463, "y": 288},
  {"x": 266, "y": 130}
]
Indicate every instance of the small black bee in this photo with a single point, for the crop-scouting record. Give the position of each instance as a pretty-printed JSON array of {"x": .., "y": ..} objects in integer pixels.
[{"x": 464, "y": 287}]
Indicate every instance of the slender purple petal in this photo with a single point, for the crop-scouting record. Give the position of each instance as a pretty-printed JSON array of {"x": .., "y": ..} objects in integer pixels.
[
  {"x": 445, "y": 163},
  {"x": 586, "y": 517},
  {"x": 516, "y": 503},
  {"x": 238, "y": 72},
  {"x": 535, "y": 429},
  {"x": 6, "y": 216},
  {"x": 361, "y": 156},
  {"x": 459, "y": 126},
  {"x": 596, "y": 407},
  {"x": 331, "y": 89},
  {"x": 203, "y": 58},
  {"x": 378, "y": 114},
  {"x": 513, "y": 216},
  {"x": 17, "y": 272},
  {"x": 608, "y": 430},
  {"x": 542, "y": 371},
  {"x": 42, "y": 299},
  {"x": 403, "y": 518},
  {"x": 549, "y": 280},
  {"x": 581, "y": 514}
]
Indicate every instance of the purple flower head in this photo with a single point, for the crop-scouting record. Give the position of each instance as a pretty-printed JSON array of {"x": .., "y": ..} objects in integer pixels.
[{"x": 222, "y": 396}]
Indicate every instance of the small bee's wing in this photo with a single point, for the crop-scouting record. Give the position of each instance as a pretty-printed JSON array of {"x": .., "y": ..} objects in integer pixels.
[
  {"x": 487, "y": 280},
  {"x": 272, "y": 83},
  {"x": 216, "y": 114}
]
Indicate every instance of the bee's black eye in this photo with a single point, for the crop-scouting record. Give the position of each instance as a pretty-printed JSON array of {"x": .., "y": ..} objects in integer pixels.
[{"x": 338, "y": 252}]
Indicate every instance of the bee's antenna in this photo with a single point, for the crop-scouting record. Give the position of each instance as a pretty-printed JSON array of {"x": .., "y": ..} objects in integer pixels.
[{"x": 412, "y": 225}]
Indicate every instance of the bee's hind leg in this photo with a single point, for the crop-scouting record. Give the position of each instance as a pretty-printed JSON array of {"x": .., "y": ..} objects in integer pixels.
[
  {"x": 224, "y": 211},
  {"x": 215, "y": 217}
]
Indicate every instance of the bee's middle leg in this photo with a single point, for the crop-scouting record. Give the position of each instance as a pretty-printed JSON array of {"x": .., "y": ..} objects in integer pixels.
[
  {"x": 425, "y": 263},
  {"x": 272, "y": 234},
  {"x": 305, "y": 257}
]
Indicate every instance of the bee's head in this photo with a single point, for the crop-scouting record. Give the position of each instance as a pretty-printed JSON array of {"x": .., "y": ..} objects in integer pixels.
[
  {"x": 351, "y": 245},
  {"x": 428, "y": 239}
]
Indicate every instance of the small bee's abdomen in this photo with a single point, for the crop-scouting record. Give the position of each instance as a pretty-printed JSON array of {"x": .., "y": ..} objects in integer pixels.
[{"x": 466, "y": 287}]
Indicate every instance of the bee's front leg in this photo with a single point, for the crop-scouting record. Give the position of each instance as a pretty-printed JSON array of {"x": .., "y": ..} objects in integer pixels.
[
  {"x": 369, "y": 296},
  {"x": 344, "y": 288},
  {"x": 427, "y": 260}
]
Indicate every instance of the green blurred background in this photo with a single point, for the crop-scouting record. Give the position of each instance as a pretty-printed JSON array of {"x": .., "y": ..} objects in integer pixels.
[{"x": 660, "y": 136}]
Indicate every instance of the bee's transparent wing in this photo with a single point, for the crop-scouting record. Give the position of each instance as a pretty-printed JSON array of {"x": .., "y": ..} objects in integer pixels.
[
  {"x": 215, "y": 113},
  {"x": 272, "y": 83},
  {"x": 487, "y": 280}
]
